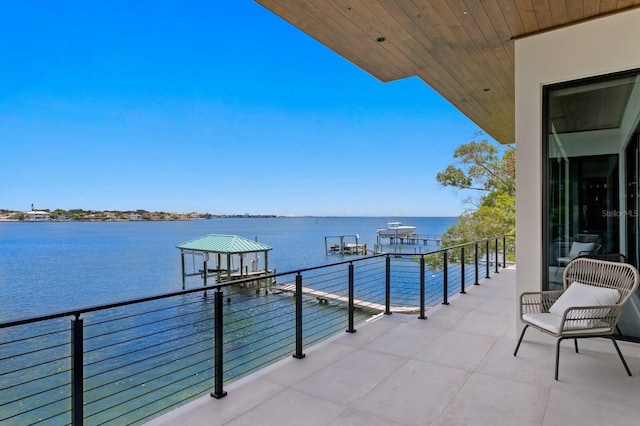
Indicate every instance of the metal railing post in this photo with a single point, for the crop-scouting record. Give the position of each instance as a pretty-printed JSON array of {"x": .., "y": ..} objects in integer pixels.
[
  {"x": 182, "y": 261},
  {"x": 497, "y": 272},
  {"x": 77, "y": 371},
  {"x": 204, "y": 277},
  {"x": 477, "y": 282},
  {"x": 462, "y": 271},
  {"x": 351, "y": 309},
  {"x": 445, "y": 287},
  {"x": 422, "y": 295},
  {"x": 218, "y": 361},
  {"x": 487, "y": 250},
  {"x": 504, "y": 251},
  {"x": 299, "y": 353},
  {"x": 387, "y": 292}
]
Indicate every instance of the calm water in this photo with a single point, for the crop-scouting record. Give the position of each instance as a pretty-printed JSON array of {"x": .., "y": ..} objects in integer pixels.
[
  {"x": 52, "y": 267},
  {"x": 130, "y": 371}
]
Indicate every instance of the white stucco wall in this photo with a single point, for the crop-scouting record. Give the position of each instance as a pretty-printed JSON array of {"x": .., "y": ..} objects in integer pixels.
[{"x": 602, "y": 46}]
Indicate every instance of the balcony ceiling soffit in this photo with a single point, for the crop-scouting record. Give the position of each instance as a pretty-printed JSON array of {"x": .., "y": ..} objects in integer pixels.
[{"x": 462, "y": 49}]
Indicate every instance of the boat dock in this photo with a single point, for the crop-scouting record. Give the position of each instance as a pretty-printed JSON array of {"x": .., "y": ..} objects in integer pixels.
[
  {"x": 414, "y": 239},
  {"x": 220, "y": 253},
  {"x": 324, "y": 296},
  {"x": 336, "y": 244},
  {"x": 221, "y": 278}
]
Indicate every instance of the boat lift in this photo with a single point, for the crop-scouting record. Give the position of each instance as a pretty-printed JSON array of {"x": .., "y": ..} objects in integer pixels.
[
  {"x": 226, "y": 250},
  {"x": 338, "y": 244}
]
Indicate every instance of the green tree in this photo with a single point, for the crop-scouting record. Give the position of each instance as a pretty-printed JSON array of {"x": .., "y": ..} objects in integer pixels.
[
  {"x": 77, "y": 214},
  {"x": 489, "y": 174},
  {"x": 481, "y": 167}
]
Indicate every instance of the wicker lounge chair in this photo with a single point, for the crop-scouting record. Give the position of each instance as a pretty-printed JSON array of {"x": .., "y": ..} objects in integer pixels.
[
  {"x": 580, "y": 245},
  {"x": 595, "y": 291}
]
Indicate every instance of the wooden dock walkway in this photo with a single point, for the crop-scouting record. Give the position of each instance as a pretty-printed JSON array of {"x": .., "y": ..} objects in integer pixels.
[
  {"x": 415, "y": 239},
  {"x": 322, "y": 295}
]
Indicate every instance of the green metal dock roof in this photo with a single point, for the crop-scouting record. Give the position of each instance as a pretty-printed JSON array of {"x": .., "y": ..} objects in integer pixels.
[{"x": 230, "y": 244}]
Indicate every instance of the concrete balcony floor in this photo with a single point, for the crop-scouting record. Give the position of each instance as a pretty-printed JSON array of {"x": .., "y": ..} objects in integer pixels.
[{"x": 454, "y": 368}]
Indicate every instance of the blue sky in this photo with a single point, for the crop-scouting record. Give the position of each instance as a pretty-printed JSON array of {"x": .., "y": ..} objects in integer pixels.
[{"x": 218, "y": 107}]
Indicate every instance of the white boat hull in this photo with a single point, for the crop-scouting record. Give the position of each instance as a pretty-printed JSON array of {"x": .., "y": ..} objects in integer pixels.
[{"x": 396, "y": 231}]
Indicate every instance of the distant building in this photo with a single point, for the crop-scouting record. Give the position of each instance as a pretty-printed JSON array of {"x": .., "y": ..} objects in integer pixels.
[
  {"x": 135, "y": 216},
  {"x": 37, "y": 216}
]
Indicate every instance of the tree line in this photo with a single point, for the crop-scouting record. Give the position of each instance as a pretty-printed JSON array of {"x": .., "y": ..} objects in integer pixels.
[{"x": 485, "y": 175}]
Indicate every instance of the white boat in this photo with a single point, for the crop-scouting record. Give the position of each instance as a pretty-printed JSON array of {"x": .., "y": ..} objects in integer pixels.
[{"x": 395, "y": 229}]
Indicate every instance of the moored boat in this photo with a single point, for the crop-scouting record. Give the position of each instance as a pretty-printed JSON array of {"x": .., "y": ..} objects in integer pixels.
[{"x": 395, "y": 229}]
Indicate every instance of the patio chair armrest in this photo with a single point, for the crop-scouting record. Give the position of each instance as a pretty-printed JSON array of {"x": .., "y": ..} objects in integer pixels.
[
  {"x": 591, "y": 317},
  {"x": 538, "y": 301}
]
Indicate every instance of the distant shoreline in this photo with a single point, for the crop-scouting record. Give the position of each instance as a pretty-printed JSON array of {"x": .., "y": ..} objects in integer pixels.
[
  {"x": 80, "y": 215},
  {"x": 3, "y": 220}
]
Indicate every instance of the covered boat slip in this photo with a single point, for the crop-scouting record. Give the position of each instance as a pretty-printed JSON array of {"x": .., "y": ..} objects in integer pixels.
[{"x": 220, "y": 254}]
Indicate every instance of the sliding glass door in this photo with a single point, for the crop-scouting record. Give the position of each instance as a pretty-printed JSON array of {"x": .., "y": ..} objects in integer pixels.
[
  {"x": 632, "y": 200},
  {"x": 591, "y": 166}
]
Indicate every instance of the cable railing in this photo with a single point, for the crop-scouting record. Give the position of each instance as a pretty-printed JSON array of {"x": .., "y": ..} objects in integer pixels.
[{"x": 128, "y": 362}]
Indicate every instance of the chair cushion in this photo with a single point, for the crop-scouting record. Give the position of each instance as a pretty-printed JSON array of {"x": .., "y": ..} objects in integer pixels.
[
  {"x": 578, "y": 248},
  {"x": 579, "y": 294},
  {"x": 551, "y": 323}
]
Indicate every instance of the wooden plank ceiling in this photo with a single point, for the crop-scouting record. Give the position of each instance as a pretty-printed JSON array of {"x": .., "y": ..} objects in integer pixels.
[{"x": 463, "y": 49}]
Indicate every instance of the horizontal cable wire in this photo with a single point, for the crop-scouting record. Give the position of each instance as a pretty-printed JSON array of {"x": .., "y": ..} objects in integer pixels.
[
  {"x": 35, "y": 336},
  {"x": 97, "y": 323},
  {"x": 272, "y": 350},
  {"x": 29, "y": 367},
  {"x": 161, "y": 343},
  {"x": 35, "y": 380},
  {"x": 125, "y": 389},
  {"x": 128, "y": 341},
  {"x": 139, "y": 396},
  {"x": 139, "y": 326},
  {"x": 38, "y": 407},
  {"x": 34, "y": 351},
  {"x": 122, "y": 366},
  {"x": 174, "y": 362}
]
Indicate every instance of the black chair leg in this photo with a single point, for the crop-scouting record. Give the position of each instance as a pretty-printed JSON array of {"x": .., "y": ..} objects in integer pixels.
[
  {"x": 557, "y": 356},
  {"x": 626, "y": 367},
  {"x": 575, "y": 343},
  {"x": 520, "y": 339}
]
